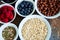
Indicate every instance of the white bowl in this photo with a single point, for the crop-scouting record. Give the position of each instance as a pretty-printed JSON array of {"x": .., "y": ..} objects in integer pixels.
[
  {"x": 34, "y": 16},
  {"x": 48, "y": 17},
  {"x": 8, "y": 3},
  {"x": 14, "y": 12},
  {"x": 18, "y": 2},
  {"x": 6, "y": 25}
]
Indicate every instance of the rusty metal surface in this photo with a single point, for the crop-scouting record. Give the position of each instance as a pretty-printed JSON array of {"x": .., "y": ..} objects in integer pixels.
[{"x": 55, "y": 25}]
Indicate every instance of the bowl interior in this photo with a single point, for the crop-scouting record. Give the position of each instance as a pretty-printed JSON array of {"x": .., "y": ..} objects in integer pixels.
[
  {"x": 34, "y": 16},
  {"x": 48, "y": 17},
  {"x": 18, "y": 2},
  {"x": 14, "y": 12},
  {"x": 6, "y": 25}
]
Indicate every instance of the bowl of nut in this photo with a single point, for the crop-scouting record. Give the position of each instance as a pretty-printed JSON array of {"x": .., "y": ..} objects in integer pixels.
[
  {"x": 8, "y": 31},
  {"x": 25, "y": 7},
  {"x": 48, "y": 8},
  {"x": 34, "y": 27}
]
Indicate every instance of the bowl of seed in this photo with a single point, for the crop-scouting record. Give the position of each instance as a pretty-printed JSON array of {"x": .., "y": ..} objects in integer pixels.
[
  {"x": 48, "y": 8},
  {"x": 34, "y": 27},
  {"x": 8, "y": 31},
  {"x": 25, "y": 7}
]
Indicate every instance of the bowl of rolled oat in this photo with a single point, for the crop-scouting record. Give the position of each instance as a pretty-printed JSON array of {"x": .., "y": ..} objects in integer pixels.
[{"x": 34, "y": 27}]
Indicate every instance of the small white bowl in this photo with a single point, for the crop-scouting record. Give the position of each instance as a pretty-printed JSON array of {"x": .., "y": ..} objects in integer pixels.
[
  {"x": 48, "y": 17},
  {"x": 14, "y": 12},
  {"x": 34, "y": 16},
  {"x": 18, "y": 2},
  {"x": 6, "y": 25},
  {"x": 8, "y": 3}
]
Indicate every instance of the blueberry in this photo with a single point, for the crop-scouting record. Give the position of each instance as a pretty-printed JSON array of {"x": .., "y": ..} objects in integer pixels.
[
  {"x": 26, "y": 9},
  {"x": 19, "y": 8},
  {"x": 28, "y": 3},
  {"x": 31, "y": 5},
  {"x": 29, "y": 8},
  {"x": 23, "y": 10},
  {"x": 22, "y": 5},
  {"x": 29, "y": 11},
  {"x": 24, "y": 2}
]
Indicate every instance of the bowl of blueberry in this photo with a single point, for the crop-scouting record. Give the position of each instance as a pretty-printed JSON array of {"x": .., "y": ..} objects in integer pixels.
[{"x": 25, "y": 7}]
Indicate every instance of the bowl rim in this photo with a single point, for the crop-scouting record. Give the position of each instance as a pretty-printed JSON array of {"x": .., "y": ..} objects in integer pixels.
[
  {"x": 18, "y": 2},
  {"x": 13, "y": 9},
  {"x": 34, "y": 16},
  {"x": 6, "y": 25},
  {"x": 9, "y": 3},
  {"x": 48, "y": 17}
]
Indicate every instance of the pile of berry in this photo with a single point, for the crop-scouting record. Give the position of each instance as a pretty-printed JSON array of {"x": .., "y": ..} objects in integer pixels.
[
  {"x": 25, "y": 8},
  {"x": 6, "y": 14}
]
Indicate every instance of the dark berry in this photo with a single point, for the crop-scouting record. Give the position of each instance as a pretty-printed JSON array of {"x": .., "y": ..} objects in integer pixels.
[{"x": 25, "y": 7}]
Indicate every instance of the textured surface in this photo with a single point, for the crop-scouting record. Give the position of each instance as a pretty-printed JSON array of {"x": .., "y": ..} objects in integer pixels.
[{"x": 55, "y": 24}]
